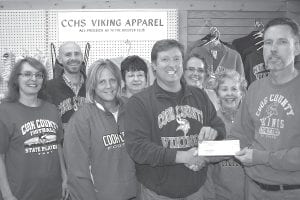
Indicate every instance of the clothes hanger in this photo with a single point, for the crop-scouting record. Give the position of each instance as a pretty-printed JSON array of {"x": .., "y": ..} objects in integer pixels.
[
  {"x": 209, "y": 36},
  {"x": 259, "y": 48},
  {"x": 212, "y": 36},
  {"x": 259, "y": 27},
  {"x": 216, "y": 36},
  {"x": 259, "y": 42}
]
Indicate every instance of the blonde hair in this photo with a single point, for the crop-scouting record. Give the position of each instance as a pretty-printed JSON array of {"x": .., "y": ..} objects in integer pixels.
[
  {"x": 232, "y": 75},
  {"x": 93, "y": 73}
]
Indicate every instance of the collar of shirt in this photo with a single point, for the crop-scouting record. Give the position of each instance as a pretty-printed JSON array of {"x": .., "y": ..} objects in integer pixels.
[
  {"x": 74, "y": 87},
  {"x": 115, "y": 114}
]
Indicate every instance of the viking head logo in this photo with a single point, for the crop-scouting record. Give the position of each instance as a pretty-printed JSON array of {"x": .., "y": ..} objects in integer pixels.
[
  {"x": 184, "y": 125},
  {"x": 272, "y": 110}
]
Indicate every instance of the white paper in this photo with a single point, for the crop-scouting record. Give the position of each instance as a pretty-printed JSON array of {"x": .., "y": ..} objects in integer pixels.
[{"x": 218, "y": 148}]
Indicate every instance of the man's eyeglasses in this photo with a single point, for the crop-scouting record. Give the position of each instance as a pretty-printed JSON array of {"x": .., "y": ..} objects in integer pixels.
[
  {"x": 193, "y": 69},
  {"x": 29, "y": 75}
]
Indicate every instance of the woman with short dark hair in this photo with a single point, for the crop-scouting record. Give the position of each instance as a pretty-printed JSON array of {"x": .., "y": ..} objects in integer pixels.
[{"x": 134, "y": 72}]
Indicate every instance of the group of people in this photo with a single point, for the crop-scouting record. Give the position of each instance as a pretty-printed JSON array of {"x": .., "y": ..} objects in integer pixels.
[{"x": 85, "y": 137}]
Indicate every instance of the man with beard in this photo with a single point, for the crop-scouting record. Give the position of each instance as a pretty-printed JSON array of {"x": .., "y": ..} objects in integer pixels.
[
  {"x": 267, "y": 122},
  {"x": 67, "y": 91}
]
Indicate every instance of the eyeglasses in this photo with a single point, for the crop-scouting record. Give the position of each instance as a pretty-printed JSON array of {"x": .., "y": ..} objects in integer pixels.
[
  {"x": 193, "y": 69},
  {"x": 29, "y": 75}
]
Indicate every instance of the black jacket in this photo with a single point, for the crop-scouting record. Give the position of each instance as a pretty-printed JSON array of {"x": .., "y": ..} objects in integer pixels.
[{"x": 157, "y": 125}]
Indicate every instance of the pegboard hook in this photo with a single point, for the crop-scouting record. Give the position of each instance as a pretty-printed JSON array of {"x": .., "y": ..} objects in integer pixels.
[{"x": 127, "y": 42}]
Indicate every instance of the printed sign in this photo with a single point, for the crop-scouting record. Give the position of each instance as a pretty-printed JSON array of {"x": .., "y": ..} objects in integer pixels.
[{"x": 103, "y": 25}]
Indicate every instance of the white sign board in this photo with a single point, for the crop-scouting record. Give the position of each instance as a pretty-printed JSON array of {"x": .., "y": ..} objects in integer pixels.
[{"x": 103, "y": 25}]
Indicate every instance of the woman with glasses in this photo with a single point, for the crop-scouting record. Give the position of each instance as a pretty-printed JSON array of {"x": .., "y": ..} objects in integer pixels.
[
  {"x": 195, "y": 74},
  {"x": 99, "y": 167},
  {"x": 31, "y": 163}
]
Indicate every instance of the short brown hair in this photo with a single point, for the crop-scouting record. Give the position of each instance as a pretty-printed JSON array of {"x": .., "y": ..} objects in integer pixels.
[
  {"x": 164, "y": 45},
  {"x": 284, "y": 21},
  {"x": 13, "y": 94}
]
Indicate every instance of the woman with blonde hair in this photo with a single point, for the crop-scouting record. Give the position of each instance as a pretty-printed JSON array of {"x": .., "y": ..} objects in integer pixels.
[
  {"x": 228, "y": 175},
  {"x": 97, "y": 162}
]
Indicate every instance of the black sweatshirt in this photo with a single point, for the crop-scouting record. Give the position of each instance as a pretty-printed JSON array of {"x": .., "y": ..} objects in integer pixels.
[{"x": 157, "y": 125}]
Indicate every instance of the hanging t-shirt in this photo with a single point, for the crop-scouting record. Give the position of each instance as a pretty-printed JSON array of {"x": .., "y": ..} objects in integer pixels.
[
  {"x": 255, "y": 66},
  {"x": 220, "y": 57},
  {"x": 245, "y": 42}
]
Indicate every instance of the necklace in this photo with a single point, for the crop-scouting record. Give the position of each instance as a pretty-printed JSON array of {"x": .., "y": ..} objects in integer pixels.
[{"x": 229, "y": 114}]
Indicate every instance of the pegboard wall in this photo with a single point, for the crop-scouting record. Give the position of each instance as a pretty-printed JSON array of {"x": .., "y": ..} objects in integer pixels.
[
  {"x": 23, "y": 32},
  {"x": 28, "y": 32}
]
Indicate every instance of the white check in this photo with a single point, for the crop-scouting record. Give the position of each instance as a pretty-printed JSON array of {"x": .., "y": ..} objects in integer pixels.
[{"x": 218, "y": 148}]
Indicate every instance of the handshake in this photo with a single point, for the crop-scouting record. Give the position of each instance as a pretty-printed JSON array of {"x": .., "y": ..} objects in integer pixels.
[
  {"x": 190, "y": 158},
  {"x": 195, "y": 162}
]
